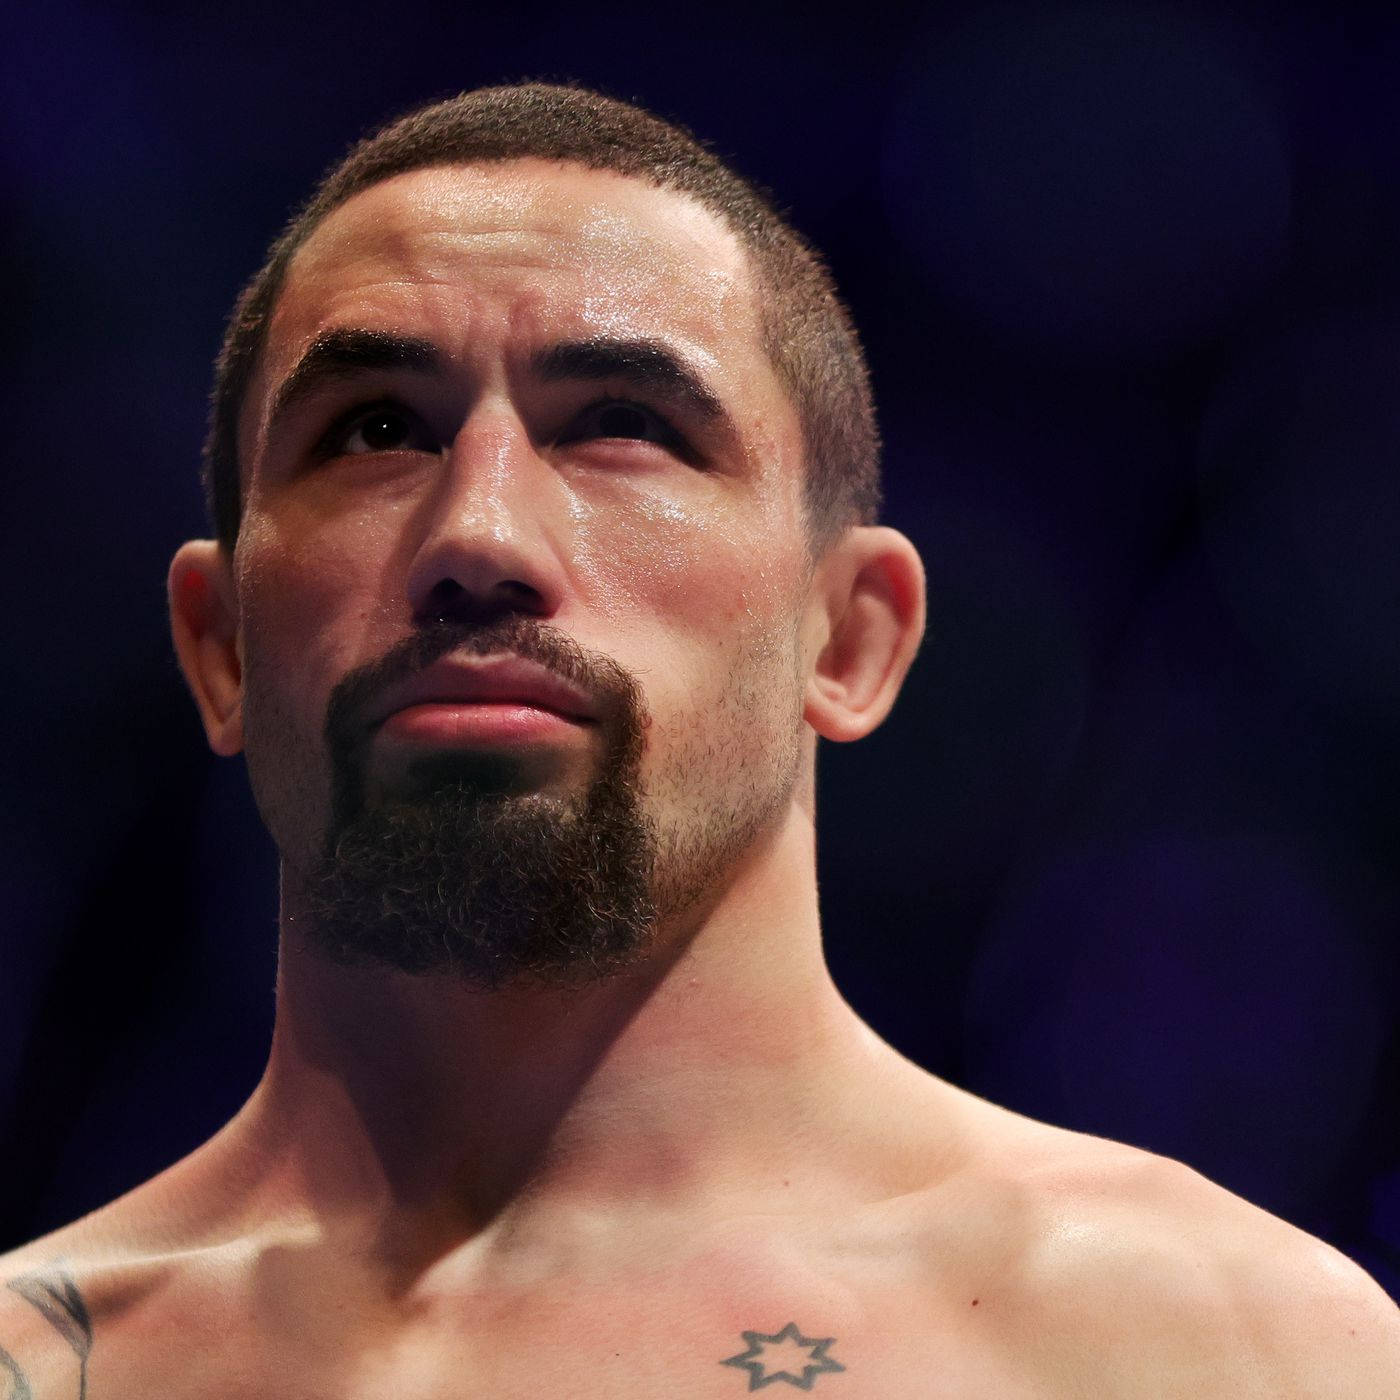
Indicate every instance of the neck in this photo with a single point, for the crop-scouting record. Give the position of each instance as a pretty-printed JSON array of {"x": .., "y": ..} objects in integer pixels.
[{"x": 711, "y": 1072}]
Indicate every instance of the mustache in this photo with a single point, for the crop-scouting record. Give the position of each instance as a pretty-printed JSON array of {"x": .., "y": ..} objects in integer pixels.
[{"x": 613, "y": 689}]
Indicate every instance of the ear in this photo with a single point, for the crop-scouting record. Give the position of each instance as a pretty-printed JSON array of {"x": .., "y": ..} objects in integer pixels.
[
  {"x": 204, "y": 623},
  {"x": 869, "y": 589}
]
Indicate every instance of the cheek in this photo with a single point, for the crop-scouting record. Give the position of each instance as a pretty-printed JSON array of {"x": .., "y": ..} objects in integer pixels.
[
  {"x": 653, "y": 564},
  {"x": 307, "y": 601},
  {"x": 701, "y": 604}
]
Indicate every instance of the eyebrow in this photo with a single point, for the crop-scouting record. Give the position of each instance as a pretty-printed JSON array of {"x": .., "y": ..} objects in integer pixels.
[
  {"x": 645, "y": 364},
  {"x": 650, "y": 365},
  {"x": 341, "y": 354}
]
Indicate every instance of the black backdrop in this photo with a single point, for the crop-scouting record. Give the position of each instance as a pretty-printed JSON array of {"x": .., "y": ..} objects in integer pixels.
[{"x": 1124, "y": 858}]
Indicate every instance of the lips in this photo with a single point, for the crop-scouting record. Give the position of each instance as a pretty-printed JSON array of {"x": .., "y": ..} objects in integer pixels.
[{"x": 486, "y": 680}]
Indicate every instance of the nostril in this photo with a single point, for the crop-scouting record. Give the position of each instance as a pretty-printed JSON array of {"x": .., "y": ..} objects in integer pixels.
[{"x": 449, "y": 601}]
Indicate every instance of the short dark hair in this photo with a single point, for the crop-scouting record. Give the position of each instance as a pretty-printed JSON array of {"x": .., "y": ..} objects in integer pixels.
[{"x": 808, "y": 333}]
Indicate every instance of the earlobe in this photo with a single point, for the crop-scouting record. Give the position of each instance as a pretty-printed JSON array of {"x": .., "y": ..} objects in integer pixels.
[
  {"x": 204, "y": 626},
  {"x": 872, "y": 591}
]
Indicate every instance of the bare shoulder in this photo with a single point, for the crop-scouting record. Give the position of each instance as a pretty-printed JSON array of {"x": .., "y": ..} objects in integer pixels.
[
  {"x": 45, "y": 1323},
  {"x": 1135, "y": 1273},
  {"x": 80, "y": 1284}
]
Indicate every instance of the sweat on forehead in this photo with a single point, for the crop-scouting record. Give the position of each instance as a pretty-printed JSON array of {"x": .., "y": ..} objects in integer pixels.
[
  {"x": 603, "y": 211},
  {"x": 604, "y": 240}
]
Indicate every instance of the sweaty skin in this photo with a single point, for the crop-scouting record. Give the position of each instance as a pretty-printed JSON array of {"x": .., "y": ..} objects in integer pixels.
[{"x": 701, "y": 1177}]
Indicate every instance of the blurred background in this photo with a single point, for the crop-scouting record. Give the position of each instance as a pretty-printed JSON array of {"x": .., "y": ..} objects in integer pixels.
[{"x": 1127, "y": 855}]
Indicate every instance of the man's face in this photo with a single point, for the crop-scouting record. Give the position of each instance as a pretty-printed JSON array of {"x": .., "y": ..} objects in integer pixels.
[{"x": 523, "y": 410}]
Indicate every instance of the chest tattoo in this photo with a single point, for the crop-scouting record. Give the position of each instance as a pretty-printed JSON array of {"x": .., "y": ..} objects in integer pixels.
[{"x": 785, "y": 1356}]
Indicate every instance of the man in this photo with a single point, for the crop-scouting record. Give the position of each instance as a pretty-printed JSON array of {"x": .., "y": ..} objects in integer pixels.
[{"x": 542, "y": 467}]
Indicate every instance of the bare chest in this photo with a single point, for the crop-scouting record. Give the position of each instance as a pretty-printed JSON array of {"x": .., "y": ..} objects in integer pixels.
[
  {"x": 643, "y": 1340},
  {"x": 579, "y": 1356}
]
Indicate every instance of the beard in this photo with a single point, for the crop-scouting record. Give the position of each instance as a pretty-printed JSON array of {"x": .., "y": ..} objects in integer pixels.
[{"x": 461, "y": 873}]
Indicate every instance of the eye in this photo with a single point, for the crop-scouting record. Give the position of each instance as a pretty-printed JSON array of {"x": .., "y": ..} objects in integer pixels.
[
  {"x": 621, "y": 418},
  {"x": 383, "y": 427}
]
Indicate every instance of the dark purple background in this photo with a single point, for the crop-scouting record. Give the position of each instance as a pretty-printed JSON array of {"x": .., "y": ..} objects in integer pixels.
[{"x": 1126, "y": 855}]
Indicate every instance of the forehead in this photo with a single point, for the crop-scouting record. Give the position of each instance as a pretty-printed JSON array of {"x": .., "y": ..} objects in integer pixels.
[
  {"x": 527, "y": 251},
  {"x": 555, "y": 214}
]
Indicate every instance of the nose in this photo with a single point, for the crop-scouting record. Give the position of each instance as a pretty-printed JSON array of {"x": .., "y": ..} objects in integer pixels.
[{"x": 490, "y": 542}]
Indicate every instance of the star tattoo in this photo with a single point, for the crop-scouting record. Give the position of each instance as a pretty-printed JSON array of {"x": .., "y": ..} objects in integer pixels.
[{"x": 784, "y": 1356}]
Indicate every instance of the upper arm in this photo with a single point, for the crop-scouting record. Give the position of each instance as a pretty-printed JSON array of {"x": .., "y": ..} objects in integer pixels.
[{"x": 1326, "y": 1329}]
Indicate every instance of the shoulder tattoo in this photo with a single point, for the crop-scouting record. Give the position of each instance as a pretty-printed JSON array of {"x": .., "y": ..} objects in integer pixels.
[{"x": 55, "y": 1294}]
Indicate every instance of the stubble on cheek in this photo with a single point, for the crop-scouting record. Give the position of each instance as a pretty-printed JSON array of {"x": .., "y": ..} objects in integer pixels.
[
  {"x": 724, "y": 767},
  {"x": 724, "y": 753},
  {"x": 284, "y": 637},
  {"x": 286, "y": 769}
]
